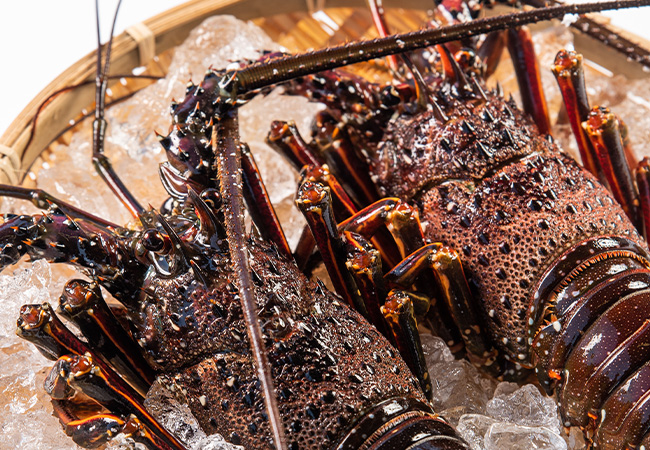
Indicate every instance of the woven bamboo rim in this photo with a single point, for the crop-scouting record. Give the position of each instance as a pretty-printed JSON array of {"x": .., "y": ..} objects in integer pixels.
[{"x": 291, "y": 23}]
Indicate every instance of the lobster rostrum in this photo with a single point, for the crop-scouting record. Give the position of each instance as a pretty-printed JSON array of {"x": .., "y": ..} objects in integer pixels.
[{"x": 187, "y": 278}]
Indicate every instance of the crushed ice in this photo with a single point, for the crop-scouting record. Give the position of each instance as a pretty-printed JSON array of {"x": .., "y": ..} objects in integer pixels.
[{"x": 492, "y": 416}]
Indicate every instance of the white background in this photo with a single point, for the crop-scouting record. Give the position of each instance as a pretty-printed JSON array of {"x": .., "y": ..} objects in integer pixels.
[{"x": 41, "y": 38}]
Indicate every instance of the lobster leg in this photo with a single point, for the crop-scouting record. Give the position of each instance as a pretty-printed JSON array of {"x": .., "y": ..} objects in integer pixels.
[
  {"x": 77, "y": 363},
  {"x": 95, "y": 430},
  {"x": 44, "y": 200},
  {"x": 358, "y": 101},
  {"x": 401, "y": 219},
  {"x": 42, "y": 327},
  {"x": 570, "y": 76},
  {"x": 603, "y": 129},
  {"x": 339, "y": 153},
  {"x": 83, "y": 303},
  {"x": 259, "y": 204},
  {"x": 491, "y": 50},
  {"x": 58, "y": 238},
  {"x": 522, "y": 52},
  {"x": 600, "y": 135},
  {"x": 74, "y": 374},
  {"x": 643, "y": 184},
  {"x": 285, "y": 138},
  {"x": 448, "y": 270},
  {"x": 348, "y": 211},
  {"x": 364, "y": 263},
  {"x": 316, "y": 205},
  {"x": 399, "y": 313}
]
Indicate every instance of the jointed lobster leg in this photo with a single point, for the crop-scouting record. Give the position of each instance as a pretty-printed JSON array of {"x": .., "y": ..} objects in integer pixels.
[
  {"x": 364, "y": 263},
  {"x": 339, "y": 153},
  {"x": 83, "y": 303},
  {"x": 446, "y": 265},
  {"x": 491, "y": 50},
  {"x": 44, "y": 200},
  {"x": 522, "y": 53},
  {"x": 643, "y": 184},
  {"x": 315, "y": 203},
  {"x": 603, "y": 130},
  {"x": 398, "y": 311},
  {"x": 570, "y": 77},
  {"x": 78, "y": 374},
  {"x": 600, "y": 135},
  {"x": 94, "y": 430},
  {"x": 285, "y": 138},
  {"x": 80, "y": 369},
  {"x": 58, "y": 238},
  {"x": 400, "y": 218},
  {"x": 259, "y": 204}
]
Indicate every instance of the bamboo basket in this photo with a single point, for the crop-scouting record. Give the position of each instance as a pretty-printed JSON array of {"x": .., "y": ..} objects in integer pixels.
[{"x": 291, "y": 23}]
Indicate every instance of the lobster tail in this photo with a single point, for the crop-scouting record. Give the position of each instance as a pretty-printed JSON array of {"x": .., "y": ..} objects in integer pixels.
[{"x": 595, "y": 346}]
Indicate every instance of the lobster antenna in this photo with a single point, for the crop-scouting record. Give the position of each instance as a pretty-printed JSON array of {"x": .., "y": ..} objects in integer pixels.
[
  {"x": 226, "y": 148},
  {"x": 100, "y": 161},
  {"x": 285, "y": 68},
  {"x": 101, "y": 79}
]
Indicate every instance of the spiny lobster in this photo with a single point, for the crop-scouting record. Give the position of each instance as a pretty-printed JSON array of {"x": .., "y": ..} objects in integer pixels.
[
  {"x": 179, "y": 262},
  {"x": 558, "y": 273}
]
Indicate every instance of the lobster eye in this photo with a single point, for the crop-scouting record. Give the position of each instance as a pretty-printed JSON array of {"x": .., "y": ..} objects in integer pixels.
[
  {"x": 390, "y": 96},
  {"x": 153, "y": 241},
  {"x": 470, "y": 62},
  {"x": 211, "y": 197}
]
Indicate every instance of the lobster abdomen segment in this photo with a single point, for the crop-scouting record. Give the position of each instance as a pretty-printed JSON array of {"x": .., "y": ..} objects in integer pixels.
[
  {"x": 627, "y": 411},
  {"x": 615, "y": 346},
  {"x": 594, "y": 347}
]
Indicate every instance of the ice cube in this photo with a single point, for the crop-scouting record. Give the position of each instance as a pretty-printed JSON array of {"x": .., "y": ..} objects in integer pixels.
[
  {"x": 524, "y": 406},
  {"x": 502, "y": 436},
  {"x": 458, "y": 387},
  {"x": 173, "y": 415},
  {"x": 473, "y": 427}
]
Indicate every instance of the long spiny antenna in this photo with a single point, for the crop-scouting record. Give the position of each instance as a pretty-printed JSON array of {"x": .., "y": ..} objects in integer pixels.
[
  {"x": 266, "y": 73},
  {"x": 101, "y": 80},
  {"x": 225, "y": 145},
  {"x": 100, "y": 161}
]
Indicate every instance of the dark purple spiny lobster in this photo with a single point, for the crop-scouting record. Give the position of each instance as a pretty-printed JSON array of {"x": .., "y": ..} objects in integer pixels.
[{"x": 224, "y": 320}]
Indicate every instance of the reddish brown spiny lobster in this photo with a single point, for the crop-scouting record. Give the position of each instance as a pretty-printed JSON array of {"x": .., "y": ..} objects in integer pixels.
[
  {"x": 180, "y": 261},
  {"x": 487, "y": 183}
]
